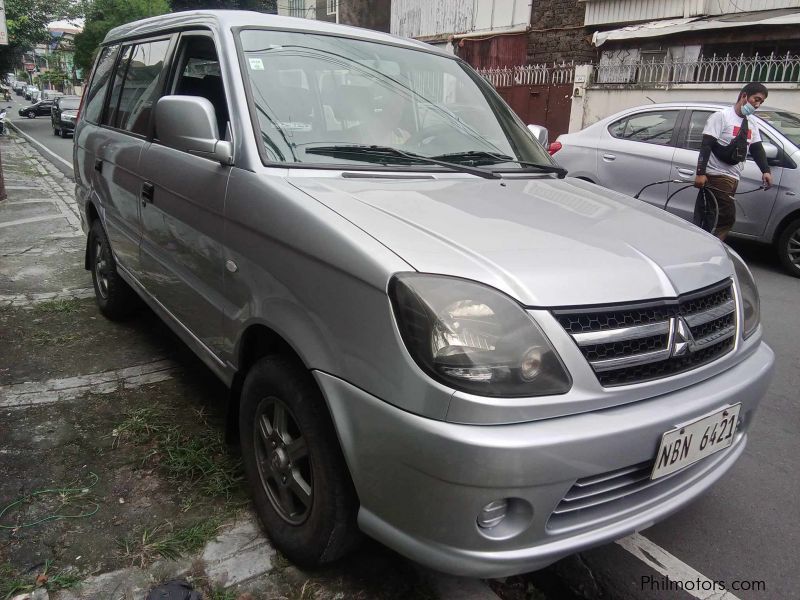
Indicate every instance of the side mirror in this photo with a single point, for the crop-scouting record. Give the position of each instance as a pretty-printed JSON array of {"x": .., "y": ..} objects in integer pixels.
[
  {"x": 189, "y": 123},
  {"x": 771, "y": 150},
  {"x": 540, "y": 133}
]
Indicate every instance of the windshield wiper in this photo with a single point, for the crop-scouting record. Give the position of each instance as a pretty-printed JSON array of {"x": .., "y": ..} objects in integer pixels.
[
  {"x": 382, "y": 154},
  {"x": 487, "y": 158}
]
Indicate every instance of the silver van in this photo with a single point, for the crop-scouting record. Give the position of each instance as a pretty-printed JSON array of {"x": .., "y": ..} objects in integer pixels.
[{"x": 430, "y": 335}]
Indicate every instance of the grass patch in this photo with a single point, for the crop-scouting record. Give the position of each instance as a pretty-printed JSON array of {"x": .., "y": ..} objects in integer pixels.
[
  {"x": 67, "y": 305},
  {"x": 12, "y": 583},
  {"x": 164, "y": 541},
  {"x": 198, "y": 460}
]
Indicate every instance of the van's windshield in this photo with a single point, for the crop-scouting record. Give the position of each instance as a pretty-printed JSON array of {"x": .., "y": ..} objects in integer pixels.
[{"x": 325, "y": 99}]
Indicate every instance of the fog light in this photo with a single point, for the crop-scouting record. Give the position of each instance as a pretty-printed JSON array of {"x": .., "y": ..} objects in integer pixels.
[
  {"x": 531, "y": 364},
  {"x": 492, "y": 514}
]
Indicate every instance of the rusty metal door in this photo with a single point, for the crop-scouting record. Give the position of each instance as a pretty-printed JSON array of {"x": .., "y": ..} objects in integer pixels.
[
  {"x": 539, "y": 94},
  {"x": 544, "y": 104}
]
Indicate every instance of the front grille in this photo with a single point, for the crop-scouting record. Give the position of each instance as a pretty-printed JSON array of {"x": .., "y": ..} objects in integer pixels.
[{"x": 643, "y": 342}]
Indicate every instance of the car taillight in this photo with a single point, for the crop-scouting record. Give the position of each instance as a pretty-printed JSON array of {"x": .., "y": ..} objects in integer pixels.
[{"x": 554, "y": 147}]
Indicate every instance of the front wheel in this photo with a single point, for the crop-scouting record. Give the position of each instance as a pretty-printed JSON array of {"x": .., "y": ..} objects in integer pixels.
[
  {"x": 788, "y": 246},
  {"x": 115, "y": 299},
  {"x": 31, "y": 115},
  {"x": 300, "y": 484}
]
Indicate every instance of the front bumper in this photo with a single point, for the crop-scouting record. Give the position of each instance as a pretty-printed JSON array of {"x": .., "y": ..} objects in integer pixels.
[{"x": 422, "y": 483}]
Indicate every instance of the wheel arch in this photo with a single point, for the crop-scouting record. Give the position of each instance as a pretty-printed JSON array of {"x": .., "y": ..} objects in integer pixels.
[
  {"x": 784, "y": 223},
  {"x": 257, "y": 341},
  {"x": 91, "y": 216}
]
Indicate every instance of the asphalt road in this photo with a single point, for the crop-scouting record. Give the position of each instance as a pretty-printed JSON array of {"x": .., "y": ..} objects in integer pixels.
[
  {"x": 745, "y": 529},
  {"x": 41, "y": 130}
]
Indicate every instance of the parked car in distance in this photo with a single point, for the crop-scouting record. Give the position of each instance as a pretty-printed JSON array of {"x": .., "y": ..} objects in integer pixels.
[
  {"x": 50, "y": 94},
  {"x": 37, "y": 109},
  {"x": 64, "y": 114},
  {"x": 430, "y": 335},
  {"x": 30, "y": 90},
  {"x": 637, "y": 146}
]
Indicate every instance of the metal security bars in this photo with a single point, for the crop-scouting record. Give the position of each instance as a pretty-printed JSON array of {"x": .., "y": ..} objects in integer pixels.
[
  {"x": 660, "y": 71},
  {"x": 541, "y": 74}
]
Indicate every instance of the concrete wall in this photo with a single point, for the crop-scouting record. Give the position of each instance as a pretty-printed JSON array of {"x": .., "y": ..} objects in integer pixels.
[{"x": 597, "y": 102}]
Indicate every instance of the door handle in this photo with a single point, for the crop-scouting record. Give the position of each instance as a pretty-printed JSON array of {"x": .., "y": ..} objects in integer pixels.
[
  {"x": 685, "y": 172},
  {"x": 98, "y": 165},
  {"x": 148, "y": 190},
  {"x": 609, "y": 157}
]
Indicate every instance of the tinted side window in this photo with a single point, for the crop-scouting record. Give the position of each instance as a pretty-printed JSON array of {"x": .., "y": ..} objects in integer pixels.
[
  {"x": 110, "y": 114},
  {"x": 199, "y": 74},
  {"x": 97, "y": 91},
  {"x": 694, "y": 134},
  {"x": 651, "y": 127},
  {"x": 141, "y": 90}
]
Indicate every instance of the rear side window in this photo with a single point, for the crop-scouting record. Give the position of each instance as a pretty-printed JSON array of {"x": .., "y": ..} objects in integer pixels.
[
  {"x": 651, "y": 127},
  {"x": 140, "y": 89},
  {"x": 110, "y": 114},
  {"x": 694, "y": 133},
  {"x": 99, "y": 85}
]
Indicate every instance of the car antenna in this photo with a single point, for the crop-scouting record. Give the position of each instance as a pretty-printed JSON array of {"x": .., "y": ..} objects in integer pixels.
[{"x": 651, "y": 100}]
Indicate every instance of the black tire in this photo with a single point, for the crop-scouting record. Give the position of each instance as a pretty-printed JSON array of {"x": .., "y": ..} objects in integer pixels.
[
  {"x": 299, "y": 451},
  {"x": 115, "y": 298},
  {"x": 30, "y": 115},
  {"x": 788, "y": 247}
]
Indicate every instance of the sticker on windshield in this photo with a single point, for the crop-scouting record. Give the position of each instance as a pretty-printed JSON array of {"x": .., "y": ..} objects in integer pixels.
[{"x": 256, "y": 64}]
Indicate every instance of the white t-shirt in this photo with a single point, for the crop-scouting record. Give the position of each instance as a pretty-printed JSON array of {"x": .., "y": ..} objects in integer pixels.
[{"x": 724, "y": 125}]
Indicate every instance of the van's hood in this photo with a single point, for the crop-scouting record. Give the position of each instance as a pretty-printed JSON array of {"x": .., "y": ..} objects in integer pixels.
[{"x": 545, "y": 242}]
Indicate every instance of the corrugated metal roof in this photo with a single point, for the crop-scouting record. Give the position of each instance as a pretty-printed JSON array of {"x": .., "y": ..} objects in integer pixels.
[
  {"x": 672, "y": 26},
  {"x": 494, "y": 52}
]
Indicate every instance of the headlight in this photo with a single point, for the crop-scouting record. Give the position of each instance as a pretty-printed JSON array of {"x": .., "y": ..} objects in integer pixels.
[
  {"x": 748, "y": 291},
  {"x": 473, "y": 338}
]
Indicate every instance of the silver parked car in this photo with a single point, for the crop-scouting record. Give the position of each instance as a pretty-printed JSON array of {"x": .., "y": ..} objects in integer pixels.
[
  {"x": 641, "y": 145},
  {"x": 429, "y": 334}
]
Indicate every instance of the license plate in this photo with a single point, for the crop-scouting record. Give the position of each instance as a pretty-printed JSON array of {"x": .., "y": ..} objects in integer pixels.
[{"x": 690, "y": 442}]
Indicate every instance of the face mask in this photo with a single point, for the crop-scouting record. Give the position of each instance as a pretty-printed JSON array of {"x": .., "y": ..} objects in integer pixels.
[{"x": 748, "y": 109}]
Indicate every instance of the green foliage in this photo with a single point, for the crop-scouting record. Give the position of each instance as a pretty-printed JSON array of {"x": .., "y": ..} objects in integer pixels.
[
  {"x": 27, "y": 25},
  {"x": 102, "y": 16}
]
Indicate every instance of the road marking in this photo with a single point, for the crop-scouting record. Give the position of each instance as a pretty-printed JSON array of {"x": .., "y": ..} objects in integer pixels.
[
  {"x": 670, "y": 566},
  {"x": 34, "y": 220},
  {"x": 32, "y": 393},
  {"x": 42, "y": 146},
  {"x": 30, "y": 300}
]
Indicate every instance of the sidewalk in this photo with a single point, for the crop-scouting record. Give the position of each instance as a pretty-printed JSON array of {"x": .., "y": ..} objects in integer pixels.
[{"x": 113, "y": 473}]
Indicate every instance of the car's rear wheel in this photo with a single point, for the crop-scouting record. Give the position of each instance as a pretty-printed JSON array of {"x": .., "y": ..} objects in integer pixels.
[
  {"x": 115, "y": 298},
  {"x": 300, "y": 484},
  {"x": 788, "y": 246}
]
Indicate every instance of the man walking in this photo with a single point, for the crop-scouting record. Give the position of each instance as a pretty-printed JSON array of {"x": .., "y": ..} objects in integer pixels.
[{"x": 726, "y": 138}]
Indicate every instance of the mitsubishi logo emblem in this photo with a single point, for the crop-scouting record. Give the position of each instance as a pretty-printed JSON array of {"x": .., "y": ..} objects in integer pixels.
[{"x": 682, "y": 339}]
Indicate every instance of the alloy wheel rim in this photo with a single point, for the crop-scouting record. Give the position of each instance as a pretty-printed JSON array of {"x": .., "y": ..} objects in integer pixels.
[
  {"x": 283, "y": 461},
  {"x": 101, "y": 269},
  {"x": 793, "y": 248}
]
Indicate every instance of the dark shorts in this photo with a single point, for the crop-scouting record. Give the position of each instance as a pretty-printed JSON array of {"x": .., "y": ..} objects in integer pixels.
[{"x": 724, "y": 190}]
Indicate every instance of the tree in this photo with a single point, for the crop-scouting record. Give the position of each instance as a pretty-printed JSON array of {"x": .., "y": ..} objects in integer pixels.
[
  {"x": 102, "y": 16},
  {"x": 27, "y": 25}
]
